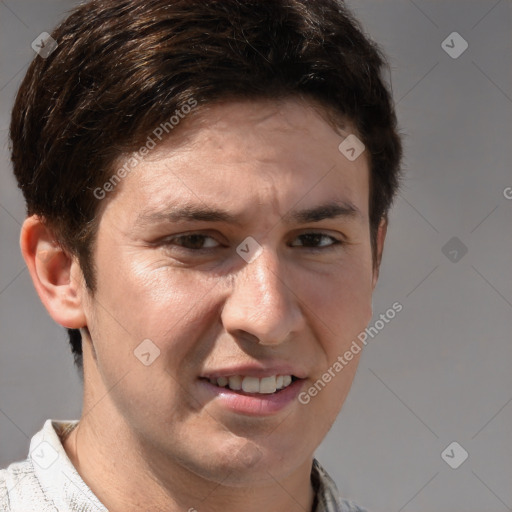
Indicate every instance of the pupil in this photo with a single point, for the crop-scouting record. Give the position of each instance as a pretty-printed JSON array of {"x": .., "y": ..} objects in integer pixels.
[
  {"x": 312, "y": 239},
  {"x": 196, "y": 241}
]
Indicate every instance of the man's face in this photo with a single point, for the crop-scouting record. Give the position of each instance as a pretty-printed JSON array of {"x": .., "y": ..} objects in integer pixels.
[{"x": 177, "y": 279}]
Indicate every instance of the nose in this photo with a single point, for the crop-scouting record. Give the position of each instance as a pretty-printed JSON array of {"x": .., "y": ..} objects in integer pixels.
[{"x": 261, "y": 305}]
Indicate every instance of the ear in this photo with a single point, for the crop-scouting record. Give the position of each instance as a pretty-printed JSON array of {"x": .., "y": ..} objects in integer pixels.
[
  {"x": 56, "y": 275},
  {"x": 381, "y": 236}
]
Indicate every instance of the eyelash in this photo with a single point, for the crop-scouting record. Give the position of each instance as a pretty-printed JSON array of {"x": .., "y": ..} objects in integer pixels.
[{"x": 171, "y": 241}]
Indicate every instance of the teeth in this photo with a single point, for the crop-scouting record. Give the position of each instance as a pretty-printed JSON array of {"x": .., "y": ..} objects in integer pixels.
[
  {"x": 251, "y": 384},
  {"x": 268, "y": 385},
  {"x": 235, "y": 383},
  {"x": 222, "y": 381},
  {"x": 265, "y": 385}
]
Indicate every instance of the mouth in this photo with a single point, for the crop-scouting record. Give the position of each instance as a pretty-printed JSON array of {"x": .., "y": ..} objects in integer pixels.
[
  {"x": 249, "y": 395},
  {"x": 249, "y": 385}
]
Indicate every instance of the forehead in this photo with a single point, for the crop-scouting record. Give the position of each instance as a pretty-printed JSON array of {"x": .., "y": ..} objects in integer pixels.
[{"x": 270, "y": 154}]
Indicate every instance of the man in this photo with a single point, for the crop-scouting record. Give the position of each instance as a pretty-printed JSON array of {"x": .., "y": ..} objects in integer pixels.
[{"x": 207, "y": 187}]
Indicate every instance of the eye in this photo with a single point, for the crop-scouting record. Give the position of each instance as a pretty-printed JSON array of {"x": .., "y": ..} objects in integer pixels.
[
  {"x": 316, "y": 241},
  {"x": 195, "y": 241},
  {"x": 201, "y": 241}
]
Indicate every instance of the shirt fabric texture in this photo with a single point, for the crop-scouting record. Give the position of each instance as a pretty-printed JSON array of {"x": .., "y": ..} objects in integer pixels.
[{"x": 47, "y": 481}]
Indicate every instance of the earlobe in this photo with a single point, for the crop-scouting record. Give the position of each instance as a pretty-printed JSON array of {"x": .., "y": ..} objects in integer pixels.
[
  {"x": 53, "y": 272},
  {"x": 381, "y": 236}
]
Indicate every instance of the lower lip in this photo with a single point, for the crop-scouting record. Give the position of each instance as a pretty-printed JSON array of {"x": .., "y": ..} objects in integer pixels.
[{"x": 253, "y": 404}]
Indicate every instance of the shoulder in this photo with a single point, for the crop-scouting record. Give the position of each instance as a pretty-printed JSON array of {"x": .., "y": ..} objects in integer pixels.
[
  {"x": 328, "y": 498},
  {"x": 349, "y": 506},
  {"x": 21, "y": 491},
  {"x": 21, "y": 486},
  {"x": 4, "y": 498}
]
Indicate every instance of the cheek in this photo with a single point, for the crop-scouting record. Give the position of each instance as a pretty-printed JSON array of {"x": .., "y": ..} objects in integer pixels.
[
  {"x": 151, "y": 298},
  {"x": 341, "y": 299},
  {"x": 171, "y": 307},
  {"x": 342, "y": 308}
]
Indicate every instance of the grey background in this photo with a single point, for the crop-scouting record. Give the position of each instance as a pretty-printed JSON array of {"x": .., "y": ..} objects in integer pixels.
[{"x": 440, "y": 371}]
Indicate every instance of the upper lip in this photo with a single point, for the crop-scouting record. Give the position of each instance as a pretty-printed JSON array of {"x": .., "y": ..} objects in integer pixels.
[{"x": 255, "y": 370}]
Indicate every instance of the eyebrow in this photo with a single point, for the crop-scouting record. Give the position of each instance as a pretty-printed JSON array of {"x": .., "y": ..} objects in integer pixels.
[
  {"x": 330, "y": 210},
  {"x": 204, "y": 213}
]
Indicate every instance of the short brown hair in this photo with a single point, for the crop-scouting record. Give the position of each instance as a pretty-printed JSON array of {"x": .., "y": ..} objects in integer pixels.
[{"x": 123, "y": 67}]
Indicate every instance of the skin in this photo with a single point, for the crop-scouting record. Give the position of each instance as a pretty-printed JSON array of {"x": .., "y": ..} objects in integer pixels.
[{"x": 147, "y": 439}]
